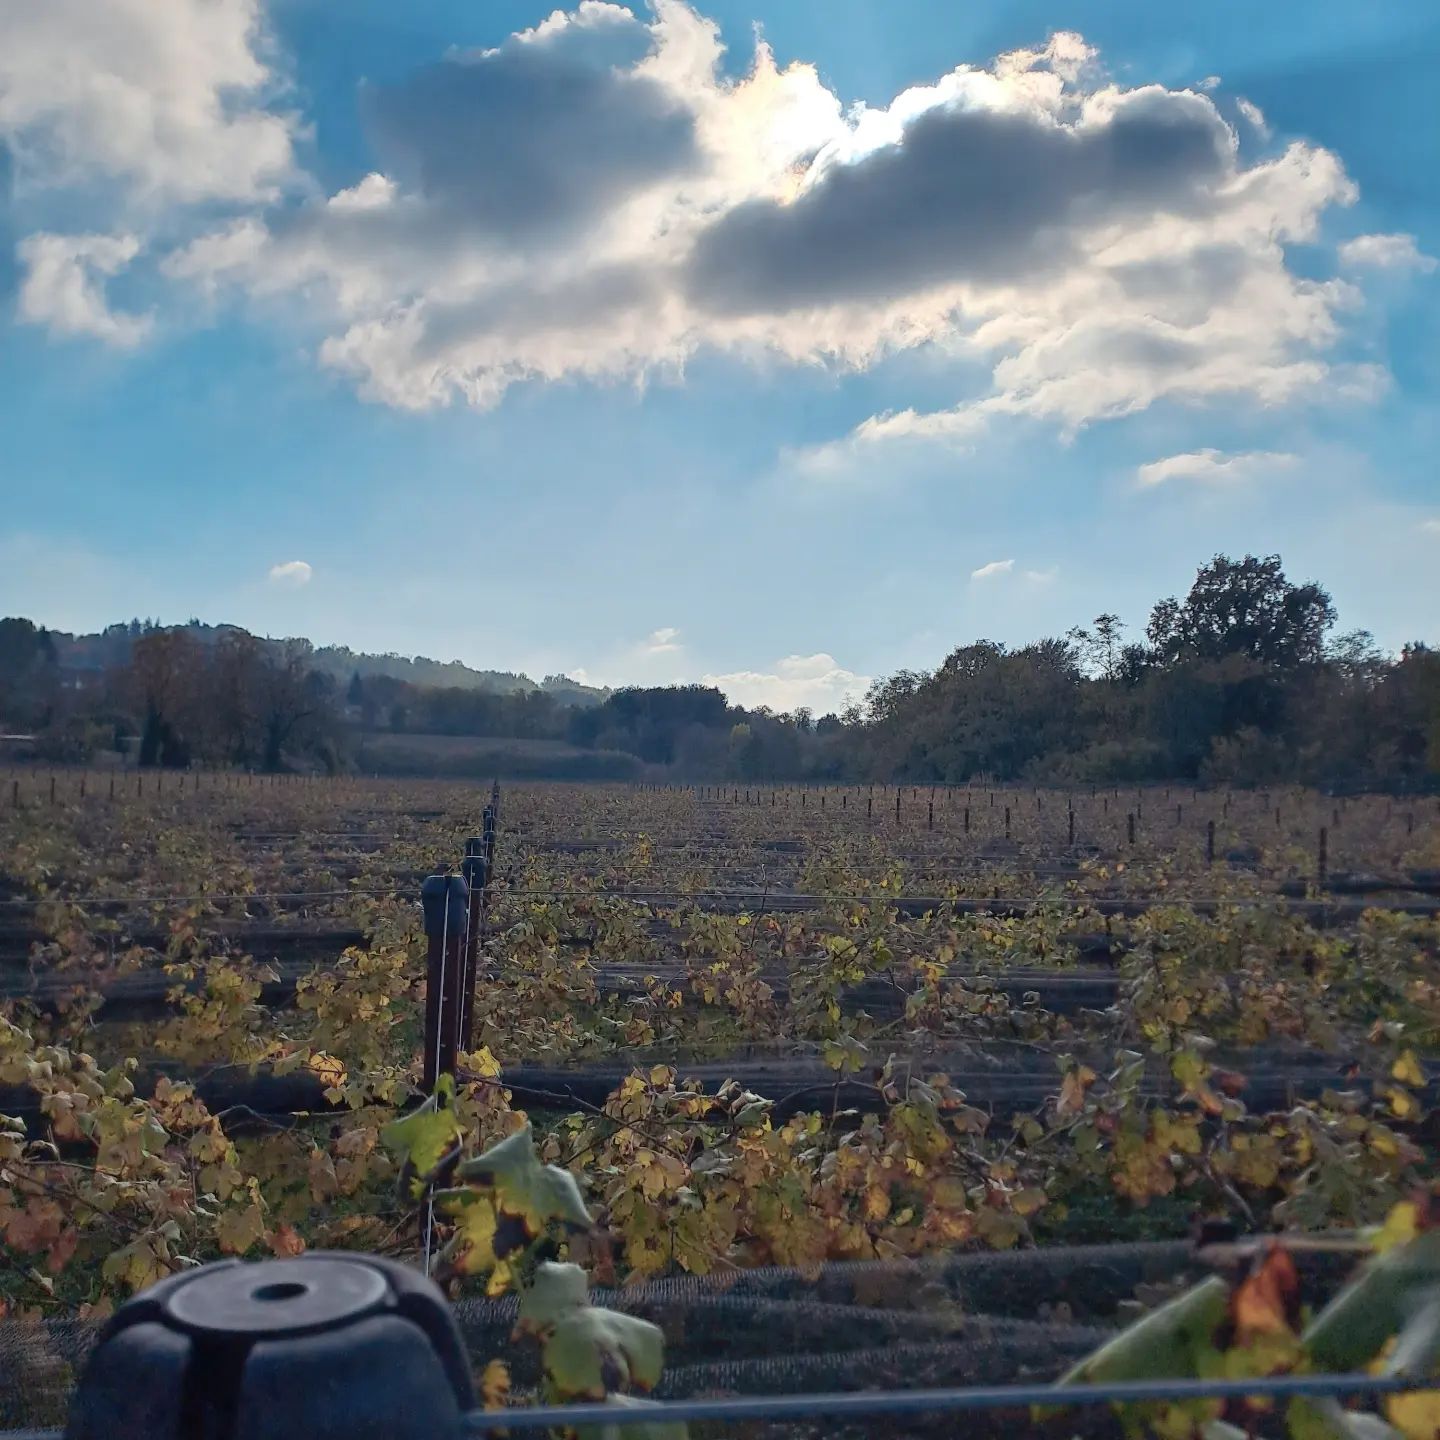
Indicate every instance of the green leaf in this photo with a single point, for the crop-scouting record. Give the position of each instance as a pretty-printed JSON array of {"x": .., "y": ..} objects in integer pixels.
[
  {"x": 1167, "y": 1344},
  {"x": 591, "y": 1353},
  {"x": 425, "y": 1135},
  {"x": 1353, "y": 1328},
  {"x": 526, "y": 1194},
  {"x": 556, "y": 1290},
  {"x": 1417, "y": 1346}
]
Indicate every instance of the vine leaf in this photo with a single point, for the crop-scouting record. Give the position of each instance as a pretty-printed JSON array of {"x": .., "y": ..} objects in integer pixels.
[
  {"x": 1416, "y": 1414},
  {"x": 590, "y": 1353},
  {"x": 555, "y": 1291},
  {"x": 525, "y": 1194},
  {"x": 423, "y": 1137},
  {"x": 1267, "y": 1301},
  {"x": 1171, "y": 1341},
  {"x": 495, "y": 1385},
  {"x": 1355, "y": 1326},
  {"x": 237, "y": 1230},
  {"x": 471, "y": 1250}
]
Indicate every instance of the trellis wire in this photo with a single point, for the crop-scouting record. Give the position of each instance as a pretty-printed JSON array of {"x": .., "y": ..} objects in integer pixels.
[
  {"x": 845, "y": 1404},
  {"x": 912, "y": 1402}
]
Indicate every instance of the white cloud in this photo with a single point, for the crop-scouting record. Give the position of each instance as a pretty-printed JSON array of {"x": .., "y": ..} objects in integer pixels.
[
  {"x": 1386, "y": 252},
  {"x": 817, "y": 682},
  {"x": 994, "y": 568},
  {"x": 64, "y": 289},
  {"x": 664, "y": 641},
  {"x": 1255, "y": 116},
  {"x": 1211, "y": 467},
  {"x": 1043, "y": 577},
  {"x": 290, "y": 573},
  {"x": 165, "y": 97},
  {"x": 1100, "y": 248},
  {"x": 1431, "y": 527}
]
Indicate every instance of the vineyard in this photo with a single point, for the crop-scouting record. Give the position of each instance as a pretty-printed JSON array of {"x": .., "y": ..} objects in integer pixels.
[{"x": 776, "y": 1046}]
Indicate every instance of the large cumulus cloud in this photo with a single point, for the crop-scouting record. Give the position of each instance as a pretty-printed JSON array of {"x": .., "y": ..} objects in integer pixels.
[
  {"x": 987, "y": 196},
  {"x": 597, "y": 197}
]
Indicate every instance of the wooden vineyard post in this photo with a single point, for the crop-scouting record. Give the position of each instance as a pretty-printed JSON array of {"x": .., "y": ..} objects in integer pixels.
[
  {"x": 1210, "y": 842},
  {"x": 897, "y": 804},
  {"x": 444, "y": 899},
  {"x": 476, "y": 869},
  {"x": 1070, "y": 837},
  {"x": 967, "y": 819},
  {"x": 930, "y": 817},
  {"x": 1007, "y": 822},
  {"x": 1130, "y": 827},
  {"x": 1322, "y": 858},
  {"x": 52, "y": 789}
]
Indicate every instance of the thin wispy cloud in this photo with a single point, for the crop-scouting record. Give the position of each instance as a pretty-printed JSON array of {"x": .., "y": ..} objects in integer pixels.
[
  {"x": 290, "y": 574},
  {"x": 664, "y": 641},
  {"x": 1213, "y": 467},
  {"x": 1386, "y": 252},
  {"x": 994, "y": 568}
]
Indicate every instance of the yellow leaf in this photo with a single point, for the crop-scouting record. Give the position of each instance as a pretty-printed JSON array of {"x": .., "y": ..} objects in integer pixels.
[
  {"x": 237, "y": 1230},
  {"x": 1402, "y": 1102},
  {"x": 1407, "y": 1070},
  {"x": 472, "y": 1251},
  {"x": 1027, "y": 1201},
  {"x": 1401, "y": 1226},
  {"x": 1417, "y": 1413},
  {"x": 422, "y": 1138},
  {"x": 1267, "y": 1299},
  {"x": 1072, "y": 1090},
  {"x": 495, "y": 1385},
  {"x": 327, "y": 1068},
  {"x": 481, "y": 1062}
]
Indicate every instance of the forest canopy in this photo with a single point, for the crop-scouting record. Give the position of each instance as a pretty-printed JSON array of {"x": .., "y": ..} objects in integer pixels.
[{"x": 1243, "y": 680}]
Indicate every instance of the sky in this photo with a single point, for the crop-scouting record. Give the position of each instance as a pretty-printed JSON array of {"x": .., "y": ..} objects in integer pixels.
[{"x": 776, "y": 344}]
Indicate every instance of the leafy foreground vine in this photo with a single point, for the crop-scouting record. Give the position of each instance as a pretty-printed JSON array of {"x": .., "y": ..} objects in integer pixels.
[
  {"x": 509, "y": 1211},
  {"x": 1385, "y": 1321}
]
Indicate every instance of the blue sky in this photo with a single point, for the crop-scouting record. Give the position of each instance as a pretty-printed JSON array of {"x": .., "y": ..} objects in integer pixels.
[{"x": 725, "y": 343}]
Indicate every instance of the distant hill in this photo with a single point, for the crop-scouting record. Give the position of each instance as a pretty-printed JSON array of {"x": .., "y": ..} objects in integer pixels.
[{"x": 111, "y": 647}]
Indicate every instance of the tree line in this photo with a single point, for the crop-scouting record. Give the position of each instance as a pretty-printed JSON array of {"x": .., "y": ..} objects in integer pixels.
[{"x": 1241, "y": 681}]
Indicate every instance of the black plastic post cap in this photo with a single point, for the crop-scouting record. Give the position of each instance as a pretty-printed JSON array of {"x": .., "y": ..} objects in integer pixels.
[
  {"x": 330, "y": 1346},
  {"x": 444, "y": 898}
]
